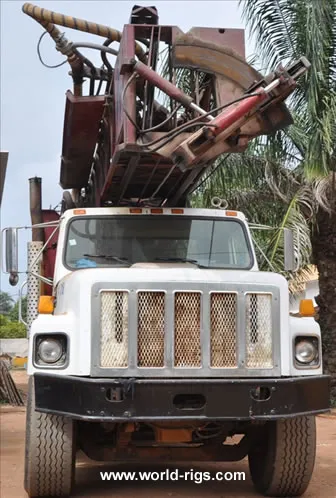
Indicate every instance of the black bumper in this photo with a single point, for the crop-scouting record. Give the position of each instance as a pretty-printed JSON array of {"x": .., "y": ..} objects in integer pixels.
[{"x": 119, "y": 400}]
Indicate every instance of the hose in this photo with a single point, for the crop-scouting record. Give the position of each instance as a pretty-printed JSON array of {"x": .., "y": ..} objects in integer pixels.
[
  {"x": 104, "y": 57},
  {"x": 63, "y": 46},
  {"x": 74, "y": 57},
  {"x": 173, "y": 134},
  {"x": 158, "y": 126},
  {"x": 95, "y": 46},
  {"x": 40, "y": 56},
  {"x": 189, "y": 124},
  {"x": 129, "y": 117},
  {"x": 49, "y": 18},
  {"x": 75, "y": 60}
]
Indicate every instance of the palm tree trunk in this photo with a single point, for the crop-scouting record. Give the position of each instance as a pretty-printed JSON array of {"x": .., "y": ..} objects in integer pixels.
[{"x": 324, "y": 250}]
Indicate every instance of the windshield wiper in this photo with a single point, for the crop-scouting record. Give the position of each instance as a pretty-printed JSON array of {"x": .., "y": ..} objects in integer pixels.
[
  {"x": 179, "y": 260},
  {"x": 107, "y": 256}
]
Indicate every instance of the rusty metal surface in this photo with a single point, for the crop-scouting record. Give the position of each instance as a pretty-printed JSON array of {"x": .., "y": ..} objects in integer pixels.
[
  {"x": 223, "y": 330},
  {"x": 124, "y": 129},
  {"x": 151, "y": 167},
  {"x": 193, "y": 453},
  {"x": 126, "y": 167},
  {"x": 151, "y": 329},
  {"x": 226, "y": 37},
  {"x": 144, "y": 15},
  {"x": 258, "y": 333},
  {"x": 114, "y": 329},
  {"x": 187, "y": 330},
  {"x": 35, "y": 205},
  {"x": 81, "y": 126},
  {"x": 195, "y": 53},
  {"x": 3, "y": 168},
  {"x": 233, "y": 77},
  {"x": 49, "y": 254}
]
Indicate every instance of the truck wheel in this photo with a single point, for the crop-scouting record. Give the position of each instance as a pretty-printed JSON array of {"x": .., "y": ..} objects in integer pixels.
[
  {"x": 282, "y": 461},
  {"x": 50, "y": 452}
]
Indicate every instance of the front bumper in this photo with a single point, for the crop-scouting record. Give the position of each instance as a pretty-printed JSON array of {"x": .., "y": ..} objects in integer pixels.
[{"x": 117, "y": 400}]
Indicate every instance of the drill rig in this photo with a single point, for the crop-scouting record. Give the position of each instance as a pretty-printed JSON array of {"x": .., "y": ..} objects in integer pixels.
[
  {"x": 149, "y": 138},
  {"x": 153, "y": 334}
]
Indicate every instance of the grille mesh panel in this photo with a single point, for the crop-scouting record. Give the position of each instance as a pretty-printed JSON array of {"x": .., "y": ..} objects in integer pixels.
[
  {"x": 223, "y": 330},
  {"x": 151, "y": 320},
  {"x": 187, "y": 328},
  {"x": 259, "y": 331},
  {"x": 114, "y": 329},
  {"x": 174, "y": 333}
]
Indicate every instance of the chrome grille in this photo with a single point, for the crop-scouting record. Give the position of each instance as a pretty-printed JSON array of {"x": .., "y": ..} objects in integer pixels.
[
  {"x": 202, "y": 332},
  {"x": 114, "y": 329},
  {"x": 223, "y": 330},
  {"x": 187, "y": 329},
  {"x": 259, "y": 330},
  {"x": 151, "y": 314}
]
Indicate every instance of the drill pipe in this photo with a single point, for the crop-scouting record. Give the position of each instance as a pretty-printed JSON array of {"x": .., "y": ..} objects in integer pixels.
[{"x": 44, "y": 15}]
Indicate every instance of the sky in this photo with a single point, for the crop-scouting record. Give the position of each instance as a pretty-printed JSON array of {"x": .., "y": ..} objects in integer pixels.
[{"x": 33, "y": 97}]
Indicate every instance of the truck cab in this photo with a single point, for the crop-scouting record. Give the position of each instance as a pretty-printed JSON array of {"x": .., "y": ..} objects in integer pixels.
[{"x": 161, "y": 332}]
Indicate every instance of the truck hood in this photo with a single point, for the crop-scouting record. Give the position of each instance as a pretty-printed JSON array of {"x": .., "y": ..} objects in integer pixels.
[{"x": 168, "y": 272}]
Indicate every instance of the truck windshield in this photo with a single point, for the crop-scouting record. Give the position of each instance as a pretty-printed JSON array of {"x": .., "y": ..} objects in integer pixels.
[{"x": 125, "y": 240}]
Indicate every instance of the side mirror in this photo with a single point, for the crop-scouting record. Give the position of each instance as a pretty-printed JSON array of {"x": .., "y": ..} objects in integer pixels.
[
  {"x": 289, "y": 250},
  {"x": 12, "y": 255}
]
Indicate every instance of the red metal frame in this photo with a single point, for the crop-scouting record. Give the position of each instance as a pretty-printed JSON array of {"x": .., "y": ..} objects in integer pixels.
[
  {"x": 49, "y": 253},
  {"x": 125, "y": 170}
]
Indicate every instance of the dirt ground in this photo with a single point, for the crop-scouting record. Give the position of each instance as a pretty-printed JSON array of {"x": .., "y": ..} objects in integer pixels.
[{"x": 88, "y": 483}]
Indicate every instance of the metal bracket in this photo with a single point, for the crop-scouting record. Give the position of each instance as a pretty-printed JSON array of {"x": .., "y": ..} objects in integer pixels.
[{"x": 20, "y": 303}]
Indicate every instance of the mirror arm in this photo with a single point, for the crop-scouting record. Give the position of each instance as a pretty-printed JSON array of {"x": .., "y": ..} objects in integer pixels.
[{"x": 20, "y": 303}]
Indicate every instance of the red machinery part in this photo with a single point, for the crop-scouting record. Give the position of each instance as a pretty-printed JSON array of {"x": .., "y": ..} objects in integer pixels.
[
  {"x": 126, "y": 156},
  {"x": 161, "y": 83},
  {"x": 232, "y": 115}
]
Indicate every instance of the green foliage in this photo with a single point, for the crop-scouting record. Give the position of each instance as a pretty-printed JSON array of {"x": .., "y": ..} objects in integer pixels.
[
  {"x": 283, "y": 179},
  {"x": 6, "y": 303},
  {"x": 287, "y": 30},
  {"x": 14, "y": 314},
  {"x": 269, "y": 195},
  {"x": 10, "y": 327},
  {"x": 11, "y": 330}
]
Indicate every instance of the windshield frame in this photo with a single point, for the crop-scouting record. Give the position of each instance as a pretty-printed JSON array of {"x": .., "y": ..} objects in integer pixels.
[{"x": 194, "y": 217}]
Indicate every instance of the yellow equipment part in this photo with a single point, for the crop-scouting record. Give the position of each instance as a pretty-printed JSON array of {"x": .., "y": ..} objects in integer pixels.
[{"x": 172, "y": 435}]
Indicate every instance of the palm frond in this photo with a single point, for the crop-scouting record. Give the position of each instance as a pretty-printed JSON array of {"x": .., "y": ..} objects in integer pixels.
[
  {"x": 281, "y": 30},
  {"x": 324, "y": 192},
  {"x": 271, "y": 23}
]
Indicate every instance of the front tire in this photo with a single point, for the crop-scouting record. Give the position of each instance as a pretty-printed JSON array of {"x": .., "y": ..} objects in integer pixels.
[
  {"x": 50, "y": 452},
  {"x": 282, "y": 461}
]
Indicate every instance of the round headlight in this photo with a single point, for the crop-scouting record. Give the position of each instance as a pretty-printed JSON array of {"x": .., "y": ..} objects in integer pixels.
[
  {"x": 50, "y": 350},
  {"x": 305, "y": 351}
]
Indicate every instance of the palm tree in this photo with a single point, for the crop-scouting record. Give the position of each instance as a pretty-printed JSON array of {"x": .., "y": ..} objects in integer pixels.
[
  {"x": 289, "y": 179},
  {"x": 271, "y": 197},
  {"x": 286, "y": 29}
]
